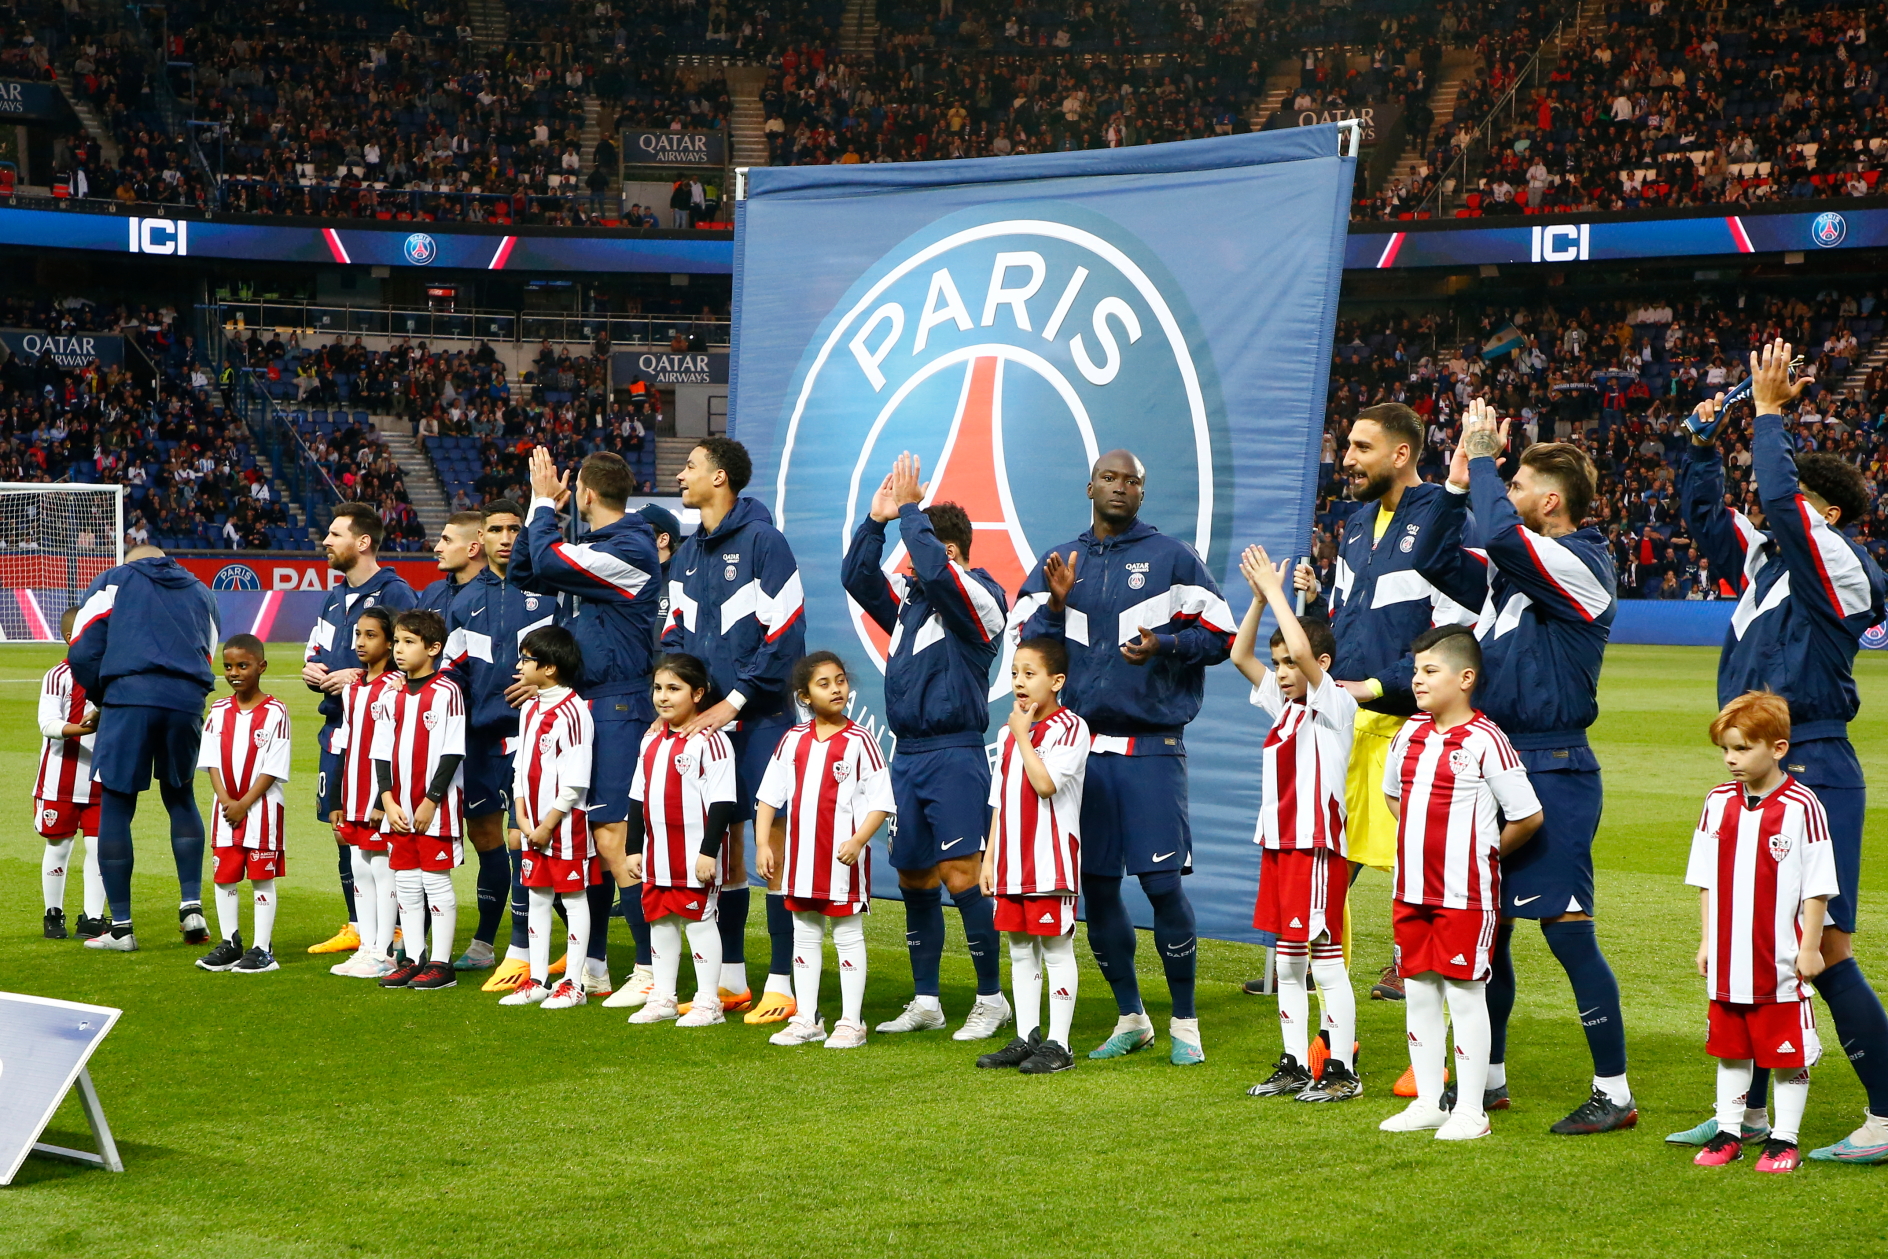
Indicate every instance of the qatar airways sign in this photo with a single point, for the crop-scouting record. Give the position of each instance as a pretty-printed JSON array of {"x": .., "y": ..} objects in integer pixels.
[{"x": 674, "y": 148}]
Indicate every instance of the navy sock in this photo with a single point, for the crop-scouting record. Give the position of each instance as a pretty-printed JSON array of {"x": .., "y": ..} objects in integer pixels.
[
  {"x": 1500, "y": 993},
  {"x": 1861, "y": 1027},
  {"x": 345, "y": 864},
  {"x": 924, "y": 936},
  {"x": 1174, "y": 937},
  {"x": 631, "y": 907},
  {"x": 1576, "y": 947},
  {"x": 115, "y": 812},
  {"x": 1759, "y": 1092},
  {"x": 599, "y": 895},
  {"x": 494, "y": 888},
  {"x": 1111, "y": 939},
  {"x": 731, "y": 916},
  {"x": 979, "y": 913},
  {"x": 186, "y": 841},
  {"x": 779, "y": 935},
  {"x": 520, "y": 902}
]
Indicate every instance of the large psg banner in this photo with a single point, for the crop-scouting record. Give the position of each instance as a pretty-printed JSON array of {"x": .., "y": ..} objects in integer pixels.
[{"x": 1007, "y": 320}]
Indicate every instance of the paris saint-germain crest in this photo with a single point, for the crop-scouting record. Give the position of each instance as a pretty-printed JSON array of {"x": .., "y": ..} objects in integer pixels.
[{"x": 1007, "y": 347}]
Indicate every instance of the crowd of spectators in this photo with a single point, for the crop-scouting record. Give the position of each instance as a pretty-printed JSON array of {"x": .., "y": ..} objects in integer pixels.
[
  {"x": 1618, "y": 378},
  {"x": 1676, "y": 103}
]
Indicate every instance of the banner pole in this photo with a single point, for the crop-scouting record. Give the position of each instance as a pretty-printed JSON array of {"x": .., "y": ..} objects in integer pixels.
[{"x": 1353, "y": 128}]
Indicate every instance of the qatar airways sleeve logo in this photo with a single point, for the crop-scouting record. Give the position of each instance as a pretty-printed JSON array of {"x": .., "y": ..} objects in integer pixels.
[{"x": 1007, "y": 348}]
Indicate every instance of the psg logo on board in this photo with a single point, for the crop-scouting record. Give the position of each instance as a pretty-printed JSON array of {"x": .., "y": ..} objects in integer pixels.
[
  {"x": 1829, "y": 229},
  {"x": 420, "y": 249},
  {"x": 235, "y": 577},
  {"x": 1007, "y": 347}
]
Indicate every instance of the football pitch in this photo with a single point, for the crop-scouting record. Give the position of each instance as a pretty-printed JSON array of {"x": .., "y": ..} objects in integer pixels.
[{"x": 298, "y": 1115}]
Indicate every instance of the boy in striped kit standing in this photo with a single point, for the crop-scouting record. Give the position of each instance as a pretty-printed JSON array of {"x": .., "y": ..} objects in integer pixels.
[
  {"x": 1451, "y": 780},
  {"x": 65, "y": 799},
  {"x": 247, "y": 750}
]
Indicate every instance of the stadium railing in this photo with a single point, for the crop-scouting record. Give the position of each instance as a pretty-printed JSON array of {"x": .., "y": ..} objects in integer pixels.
[
  {"x": 1454, "y": 177},
  {"x": 516, "y": 327}
]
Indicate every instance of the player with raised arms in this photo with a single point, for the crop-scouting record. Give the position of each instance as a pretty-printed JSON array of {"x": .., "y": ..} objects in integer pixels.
[
  {"x": 141, "y": 648},
  {"x": 735, "y": 604},
  {"x": 613, "y": 571},
  {"x": 330, "y": 666},
  {"x": 1549, "y": 593},
  {"x": 1381, "y": 598},
  {"x": 488, "y": 619},
  {"x": 946, "y": 620},
  {"x": 1142, "y": 619},
  {"x": 1809, "y": 592}
]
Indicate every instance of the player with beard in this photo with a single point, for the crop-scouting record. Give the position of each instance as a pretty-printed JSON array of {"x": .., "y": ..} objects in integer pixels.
[
  {"x": 1380, "y": 601},
  {"x": 330, "y": 665},
  {"x": 1142, "y": 619}
]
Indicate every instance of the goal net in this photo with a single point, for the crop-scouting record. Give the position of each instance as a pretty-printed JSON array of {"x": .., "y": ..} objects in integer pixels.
[{"x": 54, "y": 539}]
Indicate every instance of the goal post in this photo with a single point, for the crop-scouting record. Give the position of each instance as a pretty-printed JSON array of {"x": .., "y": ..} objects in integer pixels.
[{"x": 54, "y": 539}]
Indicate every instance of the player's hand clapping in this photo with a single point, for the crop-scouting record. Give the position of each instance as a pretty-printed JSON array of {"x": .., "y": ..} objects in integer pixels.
[
  {"x": 1138, "y": 651},
  {"x": 1059, "y": 575},
  {"x": 901, "y": 486},
  {"x": 545, "y": 483},
  {"x": 1482, "y": 434},
  {"x": 1265, "y": 578},
  {"x": 1770, "y": 385}
]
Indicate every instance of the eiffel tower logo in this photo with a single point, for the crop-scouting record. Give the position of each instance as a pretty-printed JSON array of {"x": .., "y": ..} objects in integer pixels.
[{"x": 972, "y": 473}]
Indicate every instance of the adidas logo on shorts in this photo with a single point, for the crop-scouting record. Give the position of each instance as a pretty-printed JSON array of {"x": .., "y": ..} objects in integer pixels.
[
  {"x": 1296, "y": 923},
  {"x": 1458, "y": 960},
  {"x": 697, "y": 905},
  {"x": 1046, "y": 918},
  {"x": 1786, "y": 1048}
]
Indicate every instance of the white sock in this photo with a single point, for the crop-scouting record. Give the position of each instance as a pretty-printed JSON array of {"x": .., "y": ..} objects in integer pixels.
[
  {"x": 1733, "y": 1084},
  {"x": 1132, "y": 1023},
  {"x": 704, "y": 945},
  {"x": 665, "y": 956},
  {"x": 1615, "y": 1088},
  {"x": 782, "y": 984},
  {"x": 538, "y": 932},
  {"x": 577, "y": 934},
  {"x": 928, "y": 1003},
  {"x": 1468, "y": 1013},
  {"x": 1025, "y": 982},
  {"x": 52, "y": 872},
  {"x": 1792, "y": 1100},
  {"x": 1294, "y": 1001},
  {"x": 412, "y": 893},
  {"x": 1336, "y": 999},
  {"x": 229, "y": 899},
  {"x": 366, "y": 903},
  {"x": 443, "y": 902},
  {"x": 1058, "y": 960},
  {"x": 94, "y": 881},
  {"x": 263, "y": 891},
  {"x": 1428, "y": 1034},
  {"x": 733, "y": 976},
  {"x": 385, "y": 889},
  {"x": 809, "y": 941},
  {"x": 849, "y": 945}
]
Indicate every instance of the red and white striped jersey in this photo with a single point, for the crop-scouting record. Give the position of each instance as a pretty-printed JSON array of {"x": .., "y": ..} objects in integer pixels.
[
  {"x": 1305, "y": 758},
  {"x": 677, "y": 780},
  {"x": 364, "y": 706},
  {"x": 1456, "y": 785},
  {"x": 241, "y": 745},
  {"x": 551, "y": 769},
  {"x": 1039, "y": 841},
  {"x": 422, "y": 725},
  {"x": 1759, "y": 863},
  {"x": 65, "y": 765},
  {"x": 827, "y": 787}
]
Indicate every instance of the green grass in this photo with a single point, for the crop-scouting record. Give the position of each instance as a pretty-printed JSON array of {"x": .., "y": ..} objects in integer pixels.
[{"x": 301, "y": 1115}]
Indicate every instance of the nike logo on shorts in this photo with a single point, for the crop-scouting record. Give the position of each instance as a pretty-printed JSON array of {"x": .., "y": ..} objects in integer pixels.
[
  {"x": 951, "y": 845},
  {"x": 1162, "y": 856},
  {"x": 1525, "y": 900}
]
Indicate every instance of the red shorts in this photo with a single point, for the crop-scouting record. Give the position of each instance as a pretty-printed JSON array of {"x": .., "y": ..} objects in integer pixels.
[
  {"x": 697, "y": 904},
  {"x": 234, "y": 864},
  {"x": 1052, "y": 915},
  {"x": 422, "y": 852},
  {"x": 1454, "y": 943},
  {"x": 365, "y": 836},
  {"x": 832, "y": 909},
  {"x": 1301, "y": 894},
  {"x": 1778, "y": 1034},
  {"x": 62, "y": 819},
  {"x": 560, "y": 874}
]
